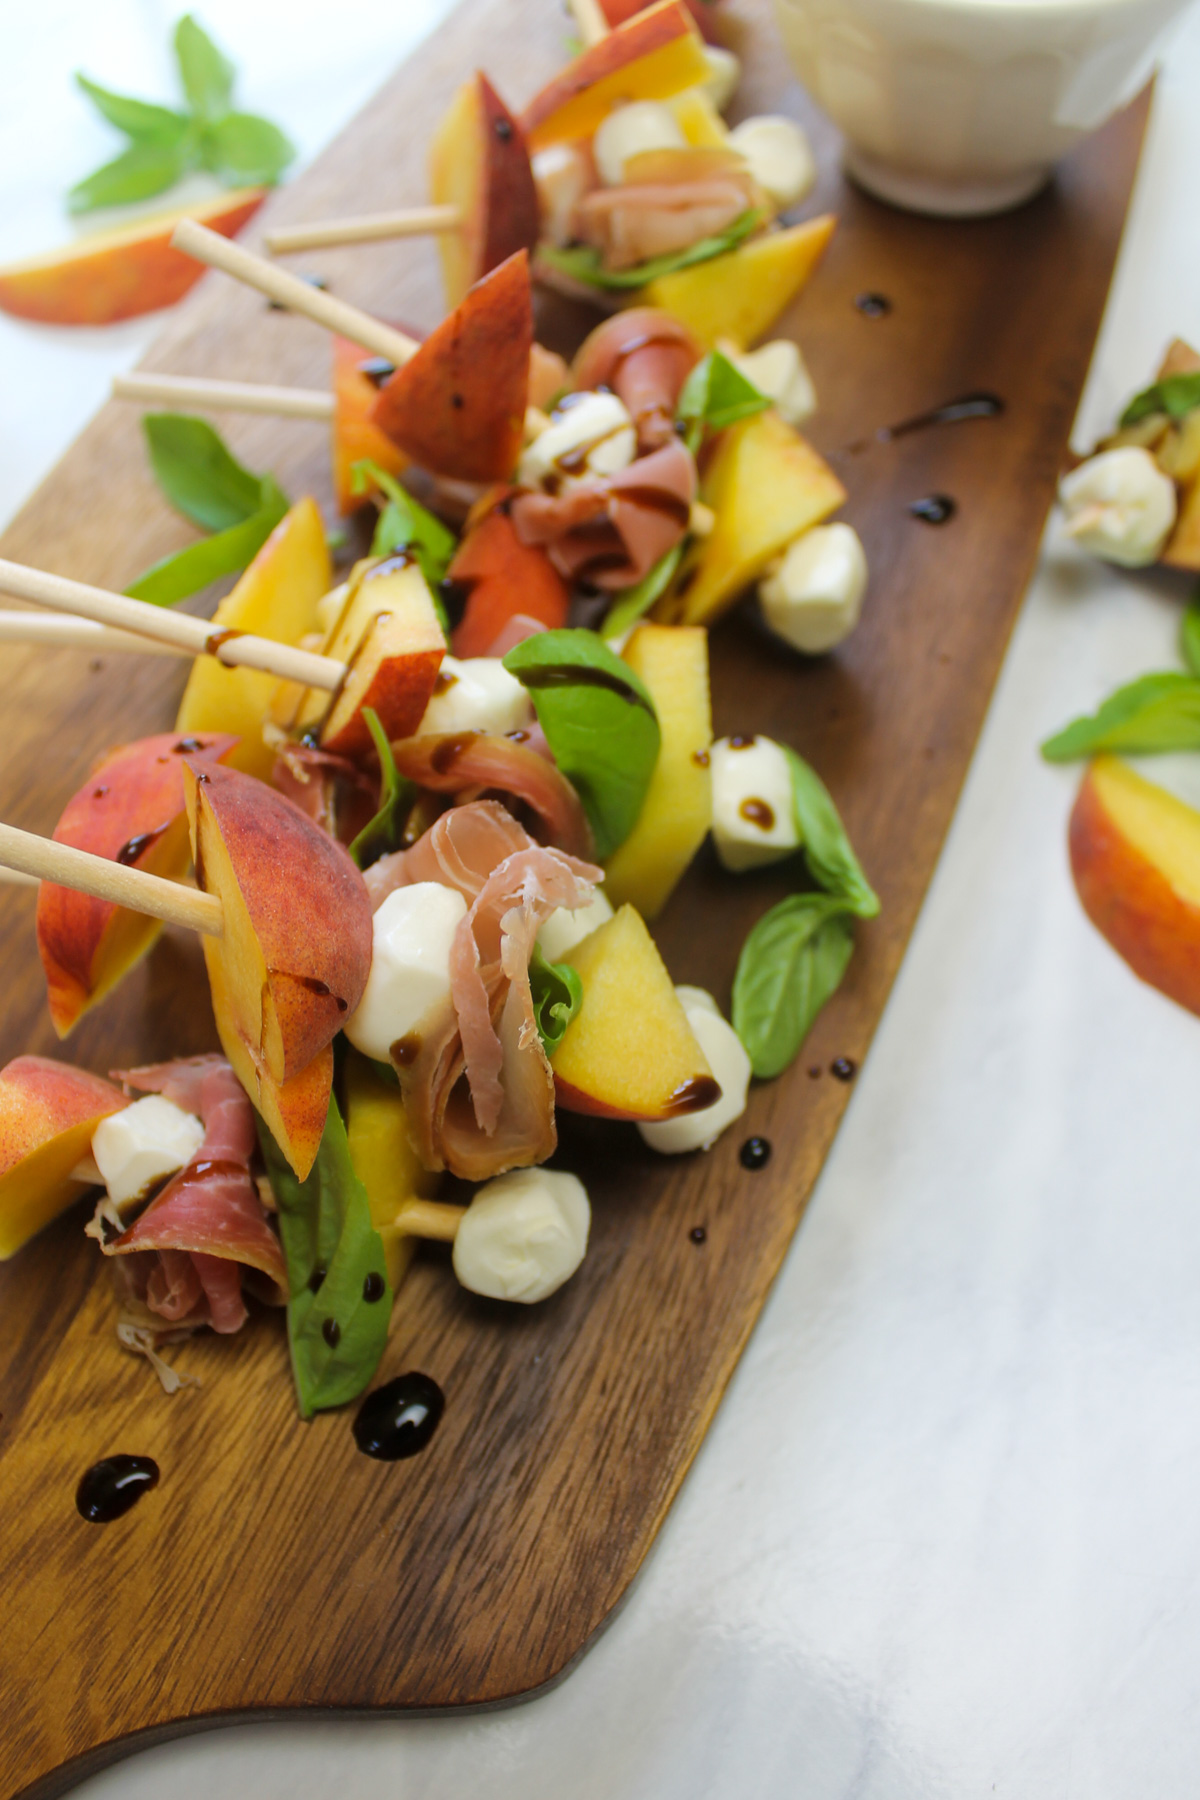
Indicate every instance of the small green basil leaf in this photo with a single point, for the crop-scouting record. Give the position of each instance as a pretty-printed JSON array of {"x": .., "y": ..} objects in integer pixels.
[
  {"x": 827, "y": 849},
  {"x": 585, "y": 263},
  {"x": 404, "y": 522},
  {"x": 1157, "y": 712},
  {"x": 396, "y": 795},
  {"x": 138, "y": 119},
  {"x": 335, "y": 1333},
  {"x": 246, "y": 149},
  {"x": 557, "y": 997},
  {"x": 1174, "y": 395},
  {"x": 207, "y": 76},
  {"x": 141, "y": 171},
  {"x": 1189, "y": 636},
  {"x": 635, "y": 602},
  {"x": 197, "y": 473},
  {"x": 599, "y": 722},
  {"x": 792, "y": 961},
  {"x": 716, "y": 394},
  {"x": 225, "y": 553}
]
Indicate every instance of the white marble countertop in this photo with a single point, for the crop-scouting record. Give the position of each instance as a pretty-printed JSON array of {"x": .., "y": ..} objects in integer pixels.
[{"x": 942, "y": 1538}]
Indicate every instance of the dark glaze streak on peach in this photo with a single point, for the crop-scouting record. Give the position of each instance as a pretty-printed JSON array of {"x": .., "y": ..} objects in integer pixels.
[{"x": 694, "y": 1095}]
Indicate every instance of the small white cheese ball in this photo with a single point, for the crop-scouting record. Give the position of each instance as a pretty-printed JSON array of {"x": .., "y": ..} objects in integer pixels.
[
  {"x": 411, "y": 935},
  {"x": 779, "y": 157},
  {"x": 777, "y": 370},
  {"x": 329, "y": 608},
  {"x": 588, "y": 434},
  {"x": 724, "y": 73},
  {"x": 729, "y": 1064},
  {"x": 563, "y": 930},
  {"x": 753, "y": 816},
  {"x": 813, "y": 596},
  {"x": 562, "y": 175},
  {"x": 1119, "y": 505},
  {"x": 476, "y": 694},
  {"x": 523, "y": 1235},
  {"x": 628, "y": 131},
  {"x": 137, "y": 1148}
]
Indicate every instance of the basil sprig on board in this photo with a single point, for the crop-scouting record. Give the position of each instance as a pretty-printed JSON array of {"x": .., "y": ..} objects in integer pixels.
[
  {"x": 1154, "y": 713},
  {"x": 166, "y": 143},
  {"x": 334, "y": 1256},
  {"x": 716, "y": 395},
  {"x": 204, "y": 482},
  {"x": 1175, "y": 395},
  {"x": 795, "y": 956},
  {"x": 385, "y": 831},
  {"x": 599, "y": 722},
  {"x": 557, "y": 996},
  {"x": 585, "y": 263}
]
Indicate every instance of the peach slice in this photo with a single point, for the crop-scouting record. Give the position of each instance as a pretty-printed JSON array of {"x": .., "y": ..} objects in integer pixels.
[
  {"x": 651, "y": 56},
  {"x": 1135, "y": 858},
  {"x": 355, "y": 439},
  {"x": 478, "y": 163},
  {"x": 48, "y": 1112},
  {"x": 458, "y": 407},
  {"x": 130, "y": 810},
  {"x": 391, "y": 640},
  {"x": 383, "y": 1156},
  {"x": 119, "y": 274},
  {"x": 629, "y": 1052},
  {"x": 503, "y": 577},
  {"x": 617, "y": 11},
  {"x": 740, "y": 295}
]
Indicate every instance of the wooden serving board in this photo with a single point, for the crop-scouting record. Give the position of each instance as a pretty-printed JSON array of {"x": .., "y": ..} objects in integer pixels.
[{"x": 275, "y": 1568}]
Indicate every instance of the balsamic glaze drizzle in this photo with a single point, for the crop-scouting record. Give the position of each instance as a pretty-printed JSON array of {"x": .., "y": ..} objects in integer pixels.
[
  {"x": 399, "y": 1418},
  {"x": 110, "y": 1487}
]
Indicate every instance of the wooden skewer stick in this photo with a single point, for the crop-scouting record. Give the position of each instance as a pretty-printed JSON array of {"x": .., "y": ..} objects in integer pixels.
[
  {"x": 430, "y": 1219},
  {"x": 63, "y": 632},
  {"x": 590, "y": 21},
  {"x": 45, "y": 860},
  {"x": 224, "y": 396},
  {"x": 192, "y": 637},
  {"x": 220, "y": 253},
  {"x": 368, "y": 228}
]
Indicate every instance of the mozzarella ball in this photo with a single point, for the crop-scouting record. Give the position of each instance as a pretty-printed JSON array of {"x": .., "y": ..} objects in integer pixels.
[
  {"x": 1119, "y": 505},
  {"x": 729, "y": 1064},
  {"x": 724, "y": 73},
  {"x": 563, "y": 930},
  {"x": 476, "y": 693},
  {"x": 523, "y": 1235},
  {"x": 411, "y": 935},
  {"x": 753, "y": 815},
  {"x": 137, "y": 1148},
  {"x": 562, "y": 175},
  {"x": 779, "y": 157},
  {"x": 777, "y": 370},
  {"x": 587, "y": 435},
  {"x": 631, "y": 130},
  {"x": 813, "y": 596}
]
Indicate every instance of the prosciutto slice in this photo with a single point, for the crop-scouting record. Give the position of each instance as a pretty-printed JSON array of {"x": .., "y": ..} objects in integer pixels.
[
  {"x": 645, "y": 356},
  {"x": 330, "y": 790},
  {"x": 611, "y": 531},
  {"x": 208, "y": 1226},
  {"x": 478, "y": 1088},
  {"x": 470, "y": 762},
  {"x": 632, "y": 224}
]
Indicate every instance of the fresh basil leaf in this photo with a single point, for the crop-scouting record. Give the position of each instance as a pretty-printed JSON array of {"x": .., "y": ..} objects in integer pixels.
[
  {"x": 635, "y": 602},
  {"x": 197, "y": 473},
  {"x": 246, "y": 149},
  {"x": 207, "y": 76},
  {"x": 141, "y": 171},
  {"x": 585, "y": 263},
  {"x": 599, "y": 722},
  {"x": 716, "y": 394},
  {"x": 557, "y": 997},
  {"x": 827, "y": 849},
  {"x": 396, "y": 795},
  {"x": 1157, "y": 712},
  {"x": 792, "y": 961},
  {"x": 335, "y": 1333},
  {"x": 406, "y": 525},
  {"x": 140, "y": 120},
  {"x": 1174, "y": 395},
  {"x": 225, "y": 553},
  {"x": 1189, "y": 636}
]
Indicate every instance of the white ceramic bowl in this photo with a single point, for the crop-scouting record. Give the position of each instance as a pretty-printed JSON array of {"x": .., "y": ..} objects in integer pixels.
[{"x": 963, "y": 106}]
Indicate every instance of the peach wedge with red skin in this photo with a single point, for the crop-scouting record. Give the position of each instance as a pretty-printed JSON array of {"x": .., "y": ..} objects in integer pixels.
[
  {"x": 355, "y": 438},
  {"x": 130, "y": 810},
  {"x": 478, "y": 163},
  {"x": 1135, "y": 859},
  {"x": 48, "y": 1112},
  {"x": 651, "y": 56},
  {"x": 390, "y": 639}
]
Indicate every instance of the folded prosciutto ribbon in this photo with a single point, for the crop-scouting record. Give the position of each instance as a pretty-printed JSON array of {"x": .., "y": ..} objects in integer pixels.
[
  {"x": 478, "y": 1088},
  {"x": 207, "y": 1231},
  {"x": 612, "y": 529}
]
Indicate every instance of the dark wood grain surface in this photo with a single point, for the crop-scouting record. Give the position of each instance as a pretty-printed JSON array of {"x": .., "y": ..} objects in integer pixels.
[{"x": 275, "y": 1568}]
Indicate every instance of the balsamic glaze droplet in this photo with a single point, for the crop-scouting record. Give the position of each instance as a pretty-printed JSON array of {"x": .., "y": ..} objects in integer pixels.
[
  {"x": 377, "y": 369},
  {"x": 374, "y": 1287},
  {"x": 99, "y": 793},
  {"x": 934, "y": 509},
  {"x": 399, "y": 1418},
  {"x": 814, "y": 1074},
  {"x": 457, "y": 402},
  {"x": 188, "y": 746},
  {"x": 755, "y": 1153},
  {"x": 110, "y": 1487},
  {"x": 844, "y": 1068},
  {"x": 873, "y": 306},
  {"x": 503, "y": 129},
  {"x": 331, "y": 1331},
  {"x": 455, "y": 595},
  {"x": 317, "y": 1278},
  {"x": 698, "y": 1235}
]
